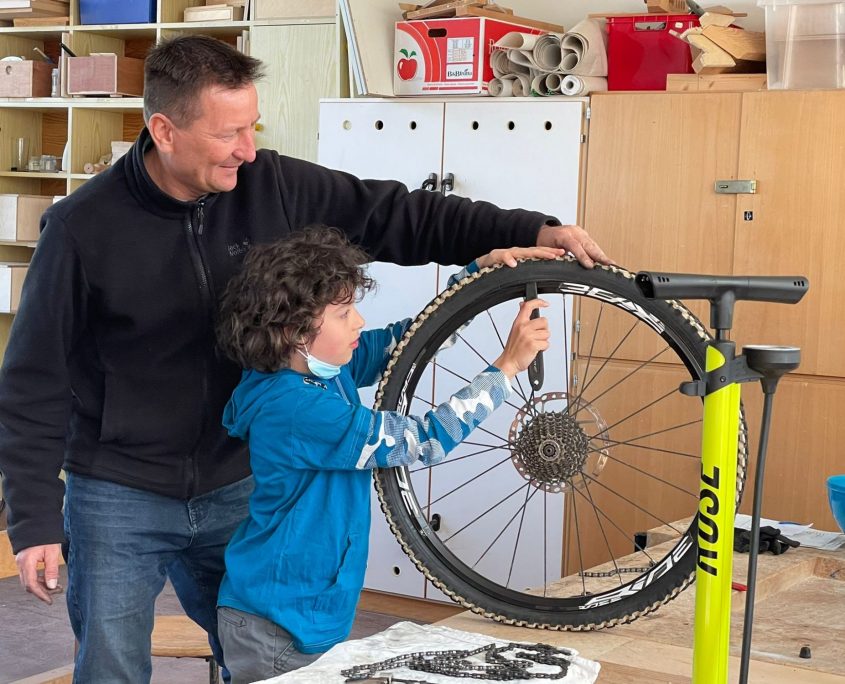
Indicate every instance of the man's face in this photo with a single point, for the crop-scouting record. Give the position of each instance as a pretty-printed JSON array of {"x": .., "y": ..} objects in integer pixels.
[{"x": 206, "y": 153}]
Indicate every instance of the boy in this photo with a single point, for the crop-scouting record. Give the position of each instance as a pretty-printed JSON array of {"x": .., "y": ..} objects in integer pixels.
[{"x": 295, "y": 567}]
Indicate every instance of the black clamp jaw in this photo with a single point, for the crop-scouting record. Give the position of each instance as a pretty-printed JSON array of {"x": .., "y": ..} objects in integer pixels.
[{"x": 735, "y": 370}]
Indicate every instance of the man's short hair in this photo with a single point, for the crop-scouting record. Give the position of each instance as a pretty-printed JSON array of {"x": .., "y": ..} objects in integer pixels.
[
  {"x": 273, "y": 306},
  {"x": 177, "y": 70}
]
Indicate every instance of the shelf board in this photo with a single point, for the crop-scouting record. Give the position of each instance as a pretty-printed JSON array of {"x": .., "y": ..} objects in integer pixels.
[
  {"x": 15, "y": 243},
  {"x": 211, "y": 28},
  {"x": 52, "y": 175},
  {"x": 37, "y": 32},
  {"x": 128, "y": 104},
  {"x": 118, "y": 30},
  {"x": 82, "y": 176}
]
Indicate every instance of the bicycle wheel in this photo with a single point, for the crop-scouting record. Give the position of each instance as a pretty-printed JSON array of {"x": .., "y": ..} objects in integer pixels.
[{"x": 571, "y": 507}]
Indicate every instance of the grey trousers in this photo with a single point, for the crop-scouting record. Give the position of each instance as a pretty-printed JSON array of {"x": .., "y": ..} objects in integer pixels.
[{"x": 255, "y": 648}]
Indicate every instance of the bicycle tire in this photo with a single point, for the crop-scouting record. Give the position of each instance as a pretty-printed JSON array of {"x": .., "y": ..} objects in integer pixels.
[{"x": 611, "y": 285}]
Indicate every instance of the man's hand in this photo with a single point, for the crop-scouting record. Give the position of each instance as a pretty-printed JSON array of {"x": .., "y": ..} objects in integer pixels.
[
  {"x": 573, "y": 239},
  {"x": 40, "y": 586},
  {"x": 510, "y": 256}
]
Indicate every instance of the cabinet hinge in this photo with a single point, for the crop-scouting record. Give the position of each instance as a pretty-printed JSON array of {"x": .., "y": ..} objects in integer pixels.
[
  {"x": 583, "y": 138},
  {"x": 587, "y": 113},
  {"x": 578, "y": 326}
]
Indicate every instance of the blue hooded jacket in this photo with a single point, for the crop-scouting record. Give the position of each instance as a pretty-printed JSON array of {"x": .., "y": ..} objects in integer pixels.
[{"x": 299, "y": 558}]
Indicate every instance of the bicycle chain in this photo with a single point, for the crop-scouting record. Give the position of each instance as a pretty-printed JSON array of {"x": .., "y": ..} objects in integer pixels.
[{"x": 456, "y": 663}]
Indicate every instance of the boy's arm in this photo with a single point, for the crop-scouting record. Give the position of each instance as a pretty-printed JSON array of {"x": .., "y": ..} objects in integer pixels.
[
  {"x": 374, "y": 349},
  {"x": 397, "y": 440},
  {"x": 330, "y": 434}
]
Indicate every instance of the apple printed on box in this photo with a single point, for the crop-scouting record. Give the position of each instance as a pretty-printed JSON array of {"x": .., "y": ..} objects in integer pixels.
[{"x": 446, "y": 55}]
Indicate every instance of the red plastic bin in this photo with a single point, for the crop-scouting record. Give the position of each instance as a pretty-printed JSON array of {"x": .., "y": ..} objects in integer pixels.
[{"x": 641, "y": 51}]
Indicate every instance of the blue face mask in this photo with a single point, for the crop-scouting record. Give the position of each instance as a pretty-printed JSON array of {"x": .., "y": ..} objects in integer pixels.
[{"x": 321, "y": 369}]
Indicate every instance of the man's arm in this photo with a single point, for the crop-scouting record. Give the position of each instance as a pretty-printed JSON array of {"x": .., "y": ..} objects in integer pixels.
[
  {"x": 35, "y": 390},
  {"x": 416, "y": 227}
]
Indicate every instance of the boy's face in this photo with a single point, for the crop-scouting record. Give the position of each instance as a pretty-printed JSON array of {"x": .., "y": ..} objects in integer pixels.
[{"x": 340, "y": 328}]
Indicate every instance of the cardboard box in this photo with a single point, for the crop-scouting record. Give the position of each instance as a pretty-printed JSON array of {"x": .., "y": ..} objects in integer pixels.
[
  {"x": 105, "y": 74},
  {"x": 448, "y": 56},
  {"x": 293, "y": 9},
  {"x": 20, "y": 216},
  {"x": 25, "y": 79},
  {"x": 11, "y": 282},
  {"x": 215, "y": 12}
]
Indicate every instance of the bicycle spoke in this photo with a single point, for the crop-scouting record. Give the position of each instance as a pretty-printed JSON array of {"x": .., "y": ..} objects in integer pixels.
[
  {"x": 653, "y": 476},
  {"x": 473, "y": 479},
  {"x": 590, "y": 355},
  {"x": 640, "y": 410},
  {"x": 505, "y": 528},
  {"x": 455, "y": 459},
  {"x": 607, "y": 360},
  {"x": 519, "y": 534},
  {"x": 467, "y": 381},
  {"x": 611, "y": 443},
  {"x": 637, "y": 506},
  {"x": 578, "y": 541},
  {"x": 598, "y": 520},
  {"x": 545, "y": 542},
  {"x": 478, "y": 517}
]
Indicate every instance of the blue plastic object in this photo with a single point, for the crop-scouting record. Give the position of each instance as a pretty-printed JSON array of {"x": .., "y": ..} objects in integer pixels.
[
  {"x": 117, "y": 12},
  {"x": 836, "y": 495}
]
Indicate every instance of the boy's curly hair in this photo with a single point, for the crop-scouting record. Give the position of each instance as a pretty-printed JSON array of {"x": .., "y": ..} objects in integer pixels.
[{"x": 274, "y": 304}]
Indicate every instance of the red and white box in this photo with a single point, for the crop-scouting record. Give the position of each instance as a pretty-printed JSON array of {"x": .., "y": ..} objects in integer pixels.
[{"x": 447, "y": 56}]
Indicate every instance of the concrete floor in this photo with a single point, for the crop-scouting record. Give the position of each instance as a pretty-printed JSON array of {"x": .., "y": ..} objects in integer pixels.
[{"x": 36, "y": 638}]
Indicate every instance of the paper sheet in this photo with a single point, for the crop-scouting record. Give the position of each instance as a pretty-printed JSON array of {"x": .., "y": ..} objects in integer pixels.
[
  {"x": 804, "y": 534},
  {"x": 582, "y": 85},
  {"x": 584, "y": 49}
]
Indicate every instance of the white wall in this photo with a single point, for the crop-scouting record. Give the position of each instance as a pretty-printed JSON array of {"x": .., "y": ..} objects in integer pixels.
[{"x": 570, "y": 12}]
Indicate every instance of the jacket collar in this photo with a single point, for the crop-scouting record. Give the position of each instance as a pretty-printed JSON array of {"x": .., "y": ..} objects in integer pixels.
[{"x": 145, "y": 190}]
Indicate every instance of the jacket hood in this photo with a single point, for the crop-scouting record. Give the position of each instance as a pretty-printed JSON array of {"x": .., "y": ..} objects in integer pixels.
[{"x": 247, "y": 400}]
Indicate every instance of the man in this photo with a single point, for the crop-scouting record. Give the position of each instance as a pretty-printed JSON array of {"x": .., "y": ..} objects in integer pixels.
[{"x": 111, "y": 370}]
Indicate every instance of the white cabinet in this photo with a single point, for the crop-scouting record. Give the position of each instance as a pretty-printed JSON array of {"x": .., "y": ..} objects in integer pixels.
[{"x": 517, "y": 153}]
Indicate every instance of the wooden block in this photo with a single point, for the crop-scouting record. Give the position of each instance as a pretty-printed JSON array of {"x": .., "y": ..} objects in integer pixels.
[
  {"x": 471, "y": 11},
  {"x": 667, "y": 6},
  {"x": 105, "y": 74},
  {"x": 715, "y": 19},
  {"x": 293, "y": 9},
  {"x": 20, "y": 216},
  {"x": 25, "y": 79},
  {"x": 739, "y": 44},
  {"x": 712, "y": 60},
  {"x": 11, "y": 283}
]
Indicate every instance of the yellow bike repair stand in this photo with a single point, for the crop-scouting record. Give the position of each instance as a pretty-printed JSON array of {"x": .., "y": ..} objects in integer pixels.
[{"x": 720, "y": 390}]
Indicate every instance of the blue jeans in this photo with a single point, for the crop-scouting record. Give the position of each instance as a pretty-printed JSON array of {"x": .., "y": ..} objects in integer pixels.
[{"x": 122, "y": 543}]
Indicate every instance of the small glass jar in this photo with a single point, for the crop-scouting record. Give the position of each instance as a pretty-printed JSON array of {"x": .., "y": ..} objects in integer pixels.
[
  {"x": 48, "y": 162},
  {"x": 34, "y": 164}
]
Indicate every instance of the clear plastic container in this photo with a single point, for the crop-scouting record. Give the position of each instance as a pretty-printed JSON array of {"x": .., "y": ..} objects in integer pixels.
[{"x": 805, "y": 43}]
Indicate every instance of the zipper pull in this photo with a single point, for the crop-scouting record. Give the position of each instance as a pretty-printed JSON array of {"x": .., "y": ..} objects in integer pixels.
[{"x": 200, "y": 215}]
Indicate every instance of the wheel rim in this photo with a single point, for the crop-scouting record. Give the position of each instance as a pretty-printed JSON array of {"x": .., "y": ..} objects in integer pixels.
[{"x": 567, "y": 449}]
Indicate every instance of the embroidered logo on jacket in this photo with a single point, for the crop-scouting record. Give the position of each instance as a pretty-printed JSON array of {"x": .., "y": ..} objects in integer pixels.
[
  {"x": 238, "y": 248},
  {"x": 316, "y": 383}
]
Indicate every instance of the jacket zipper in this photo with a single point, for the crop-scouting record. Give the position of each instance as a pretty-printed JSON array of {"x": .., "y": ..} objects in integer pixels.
[{"x": 205, "y": 292}]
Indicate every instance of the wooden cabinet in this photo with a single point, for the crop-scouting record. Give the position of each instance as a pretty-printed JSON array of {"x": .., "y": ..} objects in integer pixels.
[
  {"x": 483, "y": 144},
  {"x": 653, "y": 159},
  {"x": 288, "y": 95}
]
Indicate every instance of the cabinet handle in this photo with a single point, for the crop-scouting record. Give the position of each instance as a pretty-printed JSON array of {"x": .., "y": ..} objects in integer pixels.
[
  {"x": 448, "y": 183},
  {"x": 429, "y": 183}
]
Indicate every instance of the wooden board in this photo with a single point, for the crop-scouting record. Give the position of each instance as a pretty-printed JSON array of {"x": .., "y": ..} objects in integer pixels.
[
  {"x": 511, "y": 19},
  {"x": 715, "y": 82},
  {"x": 739, "y": 44}
]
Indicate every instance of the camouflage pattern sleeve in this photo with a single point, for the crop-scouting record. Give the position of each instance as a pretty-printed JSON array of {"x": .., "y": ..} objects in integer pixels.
[{"x": 397, "y": 440}]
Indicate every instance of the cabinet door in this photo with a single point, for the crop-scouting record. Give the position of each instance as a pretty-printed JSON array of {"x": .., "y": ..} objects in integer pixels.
[
  {"x": 650, "y": 202},
  {"x": 400, "y": 141},
  {"x": 793, "y": 144},
  {"x": 301, "y": 64},
  {"x": 516, "y": 154}
]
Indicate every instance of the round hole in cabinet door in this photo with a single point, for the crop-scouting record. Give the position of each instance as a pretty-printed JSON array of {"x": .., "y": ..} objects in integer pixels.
[
  {"x": 511, "y": 125},
  {"x": 475, "y": 125},
  {"x": 548, "y": 125},
  {"x": 397, "y": 570},
  {"x": 413, "y": 125},
  {"x": 347, "y": 125},
  {"x": 379, "y": 124}
]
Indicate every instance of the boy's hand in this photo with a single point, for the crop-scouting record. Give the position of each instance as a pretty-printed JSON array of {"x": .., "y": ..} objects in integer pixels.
[
  {"x": 527, "y": 337},
  {"x": 509, "y": 256}
]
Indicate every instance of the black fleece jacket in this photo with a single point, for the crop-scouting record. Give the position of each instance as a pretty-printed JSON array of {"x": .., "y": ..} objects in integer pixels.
[{"x": 111, "y": 369}]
